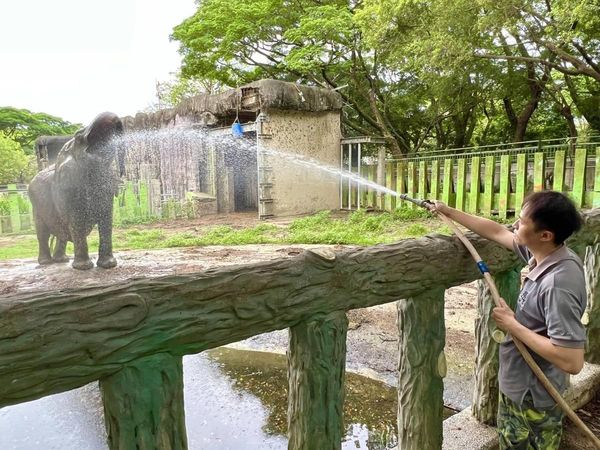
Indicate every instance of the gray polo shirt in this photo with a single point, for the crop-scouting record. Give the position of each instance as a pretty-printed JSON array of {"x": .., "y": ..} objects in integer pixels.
[{"x": 551, "y": 303}]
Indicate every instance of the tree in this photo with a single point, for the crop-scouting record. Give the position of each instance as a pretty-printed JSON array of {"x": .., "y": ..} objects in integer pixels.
[
  {"x": 15, "y": 165},
  {"x": 307, "y": 41},
  {"x": 24, "y": 127}
]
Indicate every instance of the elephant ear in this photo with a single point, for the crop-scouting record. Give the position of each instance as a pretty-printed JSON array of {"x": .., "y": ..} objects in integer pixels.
[
  {"x": 74, "y": 148},
  {"x": 102, "y": 129}
]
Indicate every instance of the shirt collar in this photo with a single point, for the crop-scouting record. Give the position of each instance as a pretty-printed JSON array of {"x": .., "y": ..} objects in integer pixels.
[{"x": 535, "y": 270}]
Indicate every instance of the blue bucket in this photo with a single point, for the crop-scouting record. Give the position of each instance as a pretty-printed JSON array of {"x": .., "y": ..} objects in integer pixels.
[{"x": 237, "y": 130}]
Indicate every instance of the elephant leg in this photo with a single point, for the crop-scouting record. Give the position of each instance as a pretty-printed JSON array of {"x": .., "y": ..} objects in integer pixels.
[
  {"x": 60, "y": 255},
  {"x": 81, "y": 259},
  {"x": 43, "y": 235},
  {"x": 106, "y": 260}
]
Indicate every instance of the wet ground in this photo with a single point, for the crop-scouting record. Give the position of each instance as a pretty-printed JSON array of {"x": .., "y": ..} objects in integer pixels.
[{"x": 233, "y": 399}]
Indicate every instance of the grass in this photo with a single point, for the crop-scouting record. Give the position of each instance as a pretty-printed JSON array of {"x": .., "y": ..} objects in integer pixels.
[{"x": 358, "y": 228}]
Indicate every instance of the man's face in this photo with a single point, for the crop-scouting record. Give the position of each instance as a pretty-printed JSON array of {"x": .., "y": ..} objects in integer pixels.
[{"x": 524, "y": 230}]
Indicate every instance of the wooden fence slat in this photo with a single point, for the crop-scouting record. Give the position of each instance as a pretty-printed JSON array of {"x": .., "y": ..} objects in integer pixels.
[
  {"x": 504, "y": 185},
  {"x": 558, "y": 173},
  {"x": 579, "y": 176},
  {"x": 435, "y": 179},
  {"x": 539, "y": 172},
  {"x": 364, "y": 192},
  {"x": 521, "y": 182},
  {"x": 474, "y": 185},
  {"x": 488, "y": 192},
  {"x": 373, "y": 192},
  {"x": 390, "y": 200},
  {"x": 15, "y": 216},
  {"x": 461, "y": 180},
  {"x": 400, "y": 177},
  {"x": 422, "y": 180},
  {"x": 447, "y": 181},
  {"x": 411, "y": 187}
]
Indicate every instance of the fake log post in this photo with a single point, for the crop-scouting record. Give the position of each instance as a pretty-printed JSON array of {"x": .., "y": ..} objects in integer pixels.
[{"x": 55, "y": 341}]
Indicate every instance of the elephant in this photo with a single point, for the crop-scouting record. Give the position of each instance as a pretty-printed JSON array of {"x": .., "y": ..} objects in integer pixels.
[{"x": 76, "y": 193}]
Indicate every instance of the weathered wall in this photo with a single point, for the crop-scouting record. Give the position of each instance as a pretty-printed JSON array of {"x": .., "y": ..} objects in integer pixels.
[{"x": 299, "y": 188}]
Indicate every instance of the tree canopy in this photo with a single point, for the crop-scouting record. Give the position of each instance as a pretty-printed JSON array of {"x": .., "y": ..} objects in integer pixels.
[
  {"x": 421, "y": 73},
  {"x": 24, "y": 126}
]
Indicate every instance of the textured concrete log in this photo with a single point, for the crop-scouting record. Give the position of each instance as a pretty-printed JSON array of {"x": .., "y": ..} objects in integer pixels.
[
  {"x": 55, "y": 341},
  {"x": 316, "y": 367},
  {"x": 485, "y": 391},
  {"x": 592, "y": 283},
  {"x": 143, "y": 405},
  {"x": 421, "y": 369}
]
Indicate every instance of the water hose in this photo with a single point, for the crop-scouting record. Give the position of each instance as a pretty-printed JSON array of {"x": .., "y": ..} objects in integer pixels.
[{"x": 496, "y": 296}]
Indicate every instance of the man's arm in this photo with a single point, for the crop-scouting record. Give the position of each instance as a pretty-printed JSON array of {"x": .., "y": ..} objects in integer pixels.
[
  {"x": 568, "y": 359},
  {"x": 484, "y": 227}
]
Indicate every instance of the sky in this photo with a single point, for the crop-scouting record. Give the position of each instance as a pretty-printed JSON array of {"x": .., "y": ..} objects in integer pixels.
[{"x": 76, "y": 58}]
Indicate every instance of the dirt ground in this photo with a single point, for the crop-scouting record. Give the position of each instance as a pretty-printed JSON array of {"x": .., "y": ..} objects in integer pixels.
[{"x": 373, "y": 333}]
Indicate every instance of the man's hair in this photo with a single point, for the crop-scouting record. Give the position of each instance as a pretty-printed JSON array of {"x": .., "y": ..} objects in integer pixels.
[{"x": 555, "y": 212}]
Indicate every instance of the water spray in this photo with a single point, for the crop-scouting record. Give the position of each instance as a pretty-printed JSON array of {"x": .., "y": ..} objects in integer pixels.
[{"x": 498, "y": 335}]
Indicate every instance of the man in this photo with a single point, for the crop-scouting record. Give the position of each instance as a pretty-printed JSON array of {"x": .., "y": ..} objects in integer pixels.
[{"x": 547, "y": 318}]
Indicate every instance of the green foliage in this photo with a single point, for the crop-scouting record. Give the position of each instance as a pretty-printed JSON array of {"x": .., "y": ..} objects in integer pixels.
[
  {"x": 15, "y": 165},
  {"x": 4, "y": 205},
  {"x": 24, "y": 126}
]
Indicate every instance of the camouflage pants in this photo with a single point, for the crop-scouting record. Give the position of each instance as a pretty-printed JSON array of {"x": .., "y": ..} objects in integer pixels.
[{"x": 523, "y": 427}]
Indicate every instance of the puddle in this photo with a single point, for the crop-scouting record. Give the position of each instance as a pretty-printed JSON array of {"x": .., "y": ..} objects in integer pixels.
[{"x": 233, "y": 399}]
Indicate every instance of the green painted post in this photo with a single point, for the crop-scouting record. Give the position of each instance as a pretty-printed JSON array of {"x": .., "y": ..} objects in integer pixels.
[
  {"x": 15, "y": 215},
  {"x": 474, "y": 186},
  {"x": 316, "y": 370},
  {"x": 539, "y": 172},
  {"x": 373, "y": 192},
  {"x": 504, "y": 185},
  {"x": 488, "y": 193},
  {"x": 447, "y": 182},
  {"x": 144, "y": 199},
  {"x": 579, "y": 176},
  {"x": 364, "y": 192},
  {"x": 521, "y": 182},
  {"x": 143, "y": 404},
  {"x": 411, "y": 188},
  {"x": 435, "y": 180},
  {"x": 422, "y": 179},
  {"x": 400, "y": 177},
  {"x": 421, "y": 370},
  {"x": 461, "y": 181},
  {"x": 558, "y": 182},
  {"x": 596, "y": 196},
  {"x": 390, "y": 200}
]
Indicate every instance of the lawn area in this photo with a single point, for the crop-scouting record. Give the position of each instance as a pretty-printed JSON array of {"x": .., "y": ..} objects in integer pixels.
[{"x": 357, "y": 228}]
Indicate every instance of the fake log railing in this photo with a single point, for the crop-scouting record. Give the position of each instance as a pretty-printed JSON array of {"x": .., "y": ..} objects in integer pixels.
[{"x": 131, "y": 336}]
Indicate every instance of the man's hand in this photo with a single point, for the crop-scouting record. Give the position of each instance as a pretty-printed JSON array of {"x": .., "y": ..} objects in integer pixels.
[
  {"x": 440, "y": 207},
  {"x": 504, "y": 316}
]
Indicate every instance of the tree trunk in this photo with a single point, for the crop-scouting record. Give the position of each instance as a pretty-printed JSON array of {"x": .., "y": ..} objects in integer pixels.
[
  {"x": 143, "y": 405},
  {"x": 421, "y": 369},
  {"x": 592, "y": 314},
  {"x": 485, "y": 391},
  {"x": 316, "y": 368}
]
